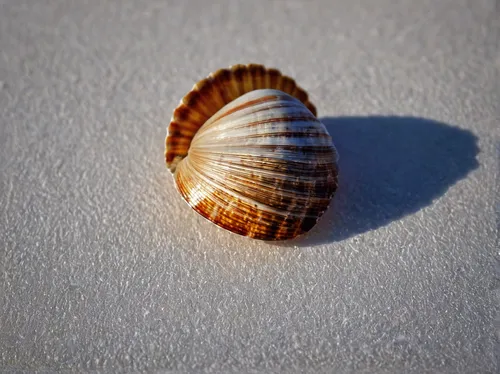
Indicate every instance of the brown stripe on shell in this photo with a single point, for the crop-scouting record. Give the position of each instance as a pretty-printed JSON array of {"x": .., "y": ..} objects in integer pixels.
[
  {"x": 278, "y": 193},
  {"x": 210, "y": 97},
  {"x": 245, "y": 105},
  {"x": 243, "y": 218},
  {"x": 219, "y": 88},
  {"x": 222, "y": 80},
  {"x": 246, "y": 219},
  {"x": 257, "y": 73}
]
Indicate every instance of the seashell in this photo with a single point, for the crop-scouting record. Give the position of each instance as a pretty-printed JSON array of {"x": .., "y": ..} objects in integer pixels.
[{"x": 248, "y": 153}]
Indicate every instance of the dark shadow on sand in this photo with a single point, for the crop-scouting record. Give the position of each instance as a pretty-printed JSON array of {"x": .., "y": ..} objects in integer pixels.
[{"x": 389, "y": 167}]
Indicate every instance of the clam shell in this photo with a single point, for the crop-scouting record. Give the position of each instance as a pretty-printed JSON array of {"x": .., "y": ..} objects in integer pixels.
[{"x": 262, "y": 165}]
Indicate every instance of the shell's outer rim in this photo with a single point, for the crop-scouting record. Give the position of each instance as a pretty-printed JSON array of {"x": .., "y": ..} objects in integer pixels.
[{"x": 210, "y": 78}]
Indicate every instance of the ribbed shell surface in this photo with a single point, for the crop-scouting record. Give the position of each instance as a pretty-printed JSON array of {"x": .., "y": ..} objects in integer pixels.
[
  {"x": 212, "y": 93},
  {"x": 263, "y": 166}
]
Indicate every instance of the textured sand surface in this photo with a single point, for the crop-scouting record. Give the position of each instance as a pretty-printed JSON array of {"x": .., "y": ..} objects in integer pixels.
[{"x": 104, "y": 268}]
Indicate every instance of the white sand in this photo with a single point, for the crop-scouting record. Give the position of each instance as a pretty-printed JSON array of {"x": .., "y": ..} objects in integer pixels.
[{"x": 102, "y": 265}]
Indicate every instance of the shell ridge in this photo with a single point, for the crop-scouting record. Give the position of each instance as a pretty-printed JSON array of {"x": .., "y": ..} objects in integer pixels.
[
  {"x": 252, "y": 191},
  {"x": 221, "y": 119},
  {"x": 218, "y": 184}
]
